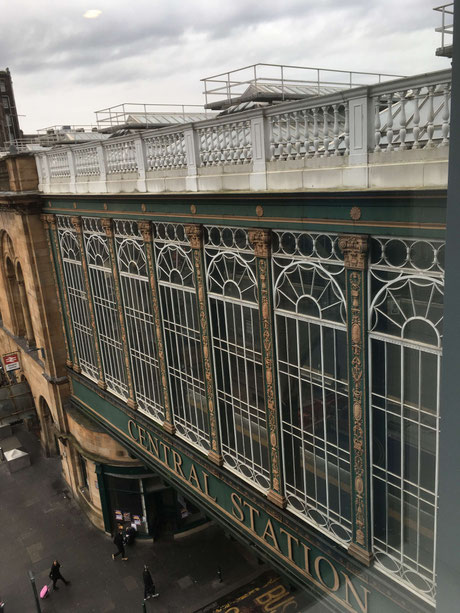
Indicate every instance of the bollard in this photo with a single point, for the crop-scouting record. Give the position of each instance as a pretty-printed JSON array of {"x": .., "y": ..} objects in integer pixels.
[
  {"x": 144, "y": 608},
  {"x": 34, "y": 588},
  {"x": 219, "y": 574}
]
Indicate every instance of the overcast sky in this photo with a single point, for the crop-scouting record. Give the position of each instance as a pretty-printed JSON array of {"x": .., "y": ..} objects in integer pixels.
[{"x": 65, "y": 65}]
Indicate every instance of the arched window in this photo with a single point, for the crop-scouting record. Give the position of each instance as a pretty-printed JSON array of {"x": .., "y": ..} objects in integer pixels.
[
  {"x": 78, "y": 299},
  {"x": 182, "y": 337},
  {"x": 140, "y": 324},
  {"x": 16, "y": 312},
  {"x": 106, "y": 308},
  {"x": 406, "y": 310},
  {"x": 310, "y": 321},
  {"x": 233, "y": 302},
  {"x": 29, "y": 332}
]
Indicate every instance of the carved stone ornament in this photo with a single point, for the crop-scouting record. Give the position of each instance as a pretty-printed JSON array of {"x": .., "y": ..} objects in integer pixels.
[
  {"x": 194, "y": 233},
  {"x": 355, "y": 213},
  {"x": 259, "y": 210},
  {"x": 354, "y": 248},
  {"x": 49, "y": 221},
  {"x": 76, "y": 222},
  {"x": 107, "y": 226},
  {"x": 145, "y": 228},
  {"x": 193, "y": 209},
  {"x": 261, "y": 240}
]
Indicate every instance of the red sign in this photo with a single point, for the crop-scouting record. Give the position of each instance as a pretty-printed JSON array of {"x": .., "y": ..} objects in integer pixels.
[{"x": 11, "y": 361}]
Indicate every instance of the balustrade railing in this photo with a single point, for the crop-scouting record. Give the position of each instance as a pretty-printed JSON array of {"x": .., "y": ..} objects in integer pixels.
[{"x": 405, "y": 114}]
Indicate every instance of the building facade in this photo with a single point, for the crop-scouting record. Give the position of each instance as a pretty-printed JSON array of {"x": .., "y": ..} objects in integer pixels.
[
  {"x": 9, "y": 122},
  {"x": 252, "y": 309}
]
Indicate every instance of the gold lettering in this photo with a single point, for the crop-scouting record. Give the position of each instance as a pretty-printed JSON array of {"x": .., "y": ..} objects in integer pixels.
[
  {"x": 271, "y": 533},
  {"x": 290, "y": 538},
  {"x": 306, "y": 555},
  {"x": 273, "y": 595},
  {"x": 165, "y": 452},
  {"x": 280, "y": 607},
  {"x": 153, "y": 445},
  {"x": 142, "y": 437},
  {"x": 206, "y": 487},
  {"x": 236, "y": 500},
  {"x": 132, "y": 424},
  {"x": 177, "y": 461},
  {"x": 233, "y": 610},
  {"x": 349, "y": 586},
  {"x": 193, "y": 478},
  {"x": 252, "y": 510},
  {"x": 336, "y": 583},
  {"x": 289, "y": 604}
]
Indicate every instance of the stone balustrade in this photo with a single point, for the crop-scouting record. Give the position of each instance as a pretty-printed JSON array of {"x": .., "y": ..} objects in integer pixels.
[{"x": 344, "y": 140}]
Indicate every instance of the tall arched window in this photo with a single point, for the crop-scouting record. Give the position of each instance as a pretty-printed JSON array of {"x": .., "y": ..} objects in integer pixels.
[
  {"x": 182, "y": 333},
  {"x": 406, "y": 310},
  {"x": 233, "y": 302},
  {"x": 29, "y": 332},
  {"x": 310, "y": 319},
  {"x": 16, "y": 312},
  {"x": 106, "y": 308},
  {"x": 78, "y": 299},
  {"x": 140, "y": 325}
]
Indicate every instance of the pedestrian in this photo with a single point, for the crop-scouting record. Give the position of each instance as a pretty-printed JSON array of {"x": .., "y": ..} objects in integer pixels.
[
  {"x": 149, "y": 586},
  {"x": 55, "y": 574},
  {"x": 118, "y": 541}
]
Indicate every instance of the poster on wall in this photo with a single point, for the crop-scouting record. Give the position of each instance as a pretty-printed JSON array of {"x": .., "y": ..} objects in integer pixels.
[
  {"x": 127, "y": 517},
  {"x": 118, "y": 515},
  {"x": 11, "y": 361},
  {"x": 137, "y": 520}
]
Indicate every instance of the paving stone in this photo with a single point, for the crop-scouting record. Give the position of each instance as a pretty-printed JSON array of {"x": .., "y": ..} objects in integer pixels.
[{"x": 185, "y": 582}]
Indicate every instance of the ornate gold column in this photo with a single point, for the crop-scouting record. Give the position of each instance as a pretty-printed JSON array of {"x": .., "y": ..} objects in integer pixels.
[
  {"x": 195, "y": 235},
  {"x": 54, "y": 248},
  {"x": 261, "y": 240},
  {"x": 76, "y": 222},
  {"x": 107, "y": 226},
  {"x": 145, "y": 228},
  {"x": 355, "y": 250}
]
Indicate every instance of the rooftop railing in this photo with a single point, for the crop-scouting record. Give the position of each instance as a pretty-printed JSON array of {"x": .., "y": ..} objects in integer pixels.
[
  {"x": 410, "y": 114},
  {"x": 446, "y": 28},
  {"x": 146, "y": 114},
  {"x": 285, "y": 81}
]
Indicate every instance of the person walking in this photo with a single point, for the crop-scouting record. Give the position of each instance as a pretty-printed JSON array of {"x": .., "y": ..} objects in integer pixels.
[
  {"x": 149, "y": 586},
  {"x": 118, "y": 541},
  {"x": 55, "y": 574}
]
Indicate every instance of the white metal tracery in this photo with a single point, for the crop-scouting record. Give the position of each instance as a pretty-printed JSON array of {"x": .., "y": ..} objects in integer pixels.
[
  {"x": 182, "y": 334},
  {"x": 139, "y": 317},
  {"x": 310, "y": 321},
  {"x": 78, "y": 299},
  {"x": 106, "y": 307},
  {"x": 405, "y": 320},
  {"x": 233, "y": 302}
]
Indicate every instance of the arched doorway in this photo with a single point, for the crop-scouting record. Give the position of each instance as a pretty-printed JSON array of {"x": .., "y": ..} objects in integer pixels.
[{"x": 48, "y": 431}]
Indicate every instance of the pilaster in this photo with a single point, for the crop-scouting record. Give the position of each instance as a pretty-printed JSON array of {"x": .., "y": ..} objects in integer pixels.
[
  {"x": 53, "y": 241},
  {"x": 145, "y": 228},
  {"x": 49, "y": 224},
  {"x": 76, "y": 222},
  {"x": 107, "y": 226},
  {"x": 195, "y": 235},
  {"x": 355, "y": 250},
  {"x": 261, "y": 241}
]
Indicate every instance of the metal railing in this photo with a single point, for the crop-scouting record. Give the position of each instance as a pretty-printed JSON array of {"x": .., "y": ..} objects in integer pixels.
[
  {"x": 120, "y": 114},
  {"x": 229, "y": 86},
  {"x": 447, "y": 25}
]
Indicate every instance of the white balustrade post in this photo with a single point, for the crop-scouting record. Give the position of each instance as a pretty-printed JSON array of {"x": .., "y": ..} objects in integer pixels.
[
  {"x": 361, "y": 126},
  {"x": 260, "y": 138},
  {"x": 73, "y": 174},
  {"x": 141, "y": 160},
  {"x": 46, "y": 174},
  {"x": 102, "y": 168},
  {"x": 38, "y": 164},
  {"x": 192, "y": 157}
]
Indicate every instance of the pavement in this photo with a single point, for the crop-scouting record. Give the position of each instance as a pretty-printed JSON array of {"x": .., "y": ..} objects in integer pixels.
[{"x": 41, "y": 522}]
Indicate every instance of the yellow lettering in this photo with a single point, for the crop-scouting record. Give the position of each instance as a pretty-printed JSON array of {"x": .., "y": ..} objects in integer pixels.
[
  {"x": 290, "y": 538},
  {"x": 349, "y": 586},
  {"x": 142, "y": 437},
  {"x": 271, "y": 533},
  {"x": 306, "y": 555},
  {"x": 193, "y": 478},
  {"x": 132, "y": 424},
  {"x": 335, "y": 585},
  {"x": 206, "y": 487},
  {"x": 271, "y": 596},
  {"x": 252, "y": 510},
  {"x": 236, "y": 500},
  {"x": 280, "y": 607},
  {"x": 153, "y": 445},
  {"x": 165, "y": 452},
  {"x": 177, "y": 461}
]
